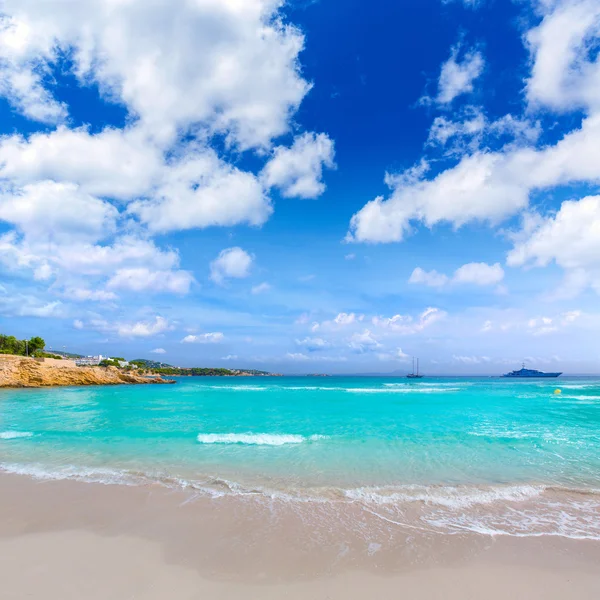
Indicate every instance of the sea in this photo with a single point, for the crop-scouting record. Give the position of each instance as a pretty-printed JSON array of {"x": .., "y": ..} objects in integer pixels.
[{"x": 485, "y": 455}]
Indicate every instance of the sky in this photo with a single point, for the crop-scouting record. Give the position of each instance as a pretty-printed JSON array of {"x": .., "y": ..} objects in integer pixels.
[{"x": 311, "y": 186}]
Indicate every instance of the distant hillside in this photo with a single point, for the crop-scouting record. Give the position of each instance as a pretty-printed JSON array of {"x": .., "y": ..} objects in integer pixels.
[
  {"x": 150, "y": 364},
  {"x": 166, "y": 369}
]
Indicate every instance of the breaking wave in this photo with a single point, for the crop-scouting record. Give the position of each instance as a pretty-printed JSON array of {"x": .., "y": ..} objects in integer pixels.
[
  {"x": 256, "y": 439},
  {"x": 13, "y": 435}
]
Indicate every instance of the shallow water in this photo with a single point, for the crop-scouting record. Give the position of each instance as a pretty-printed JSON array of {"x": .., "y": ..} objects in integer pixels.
[{"x": 485, "y": 455}]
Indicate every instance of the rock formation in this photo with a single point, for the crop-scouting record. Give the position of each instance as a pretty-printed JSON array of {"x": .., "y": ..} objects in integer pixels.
[{"x": 19, "y": 371}]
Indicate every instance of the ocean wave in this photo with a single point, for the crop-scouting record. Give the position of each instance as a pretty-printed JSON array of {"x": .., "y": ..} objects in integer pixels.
[
  {"x": 510, "y": 510},
  {"x": 456, "y": 497},
  {"x": 256, "y": 439},
  {"x": 13, "y": 435},
  {"x": 236, "y": 388},
  {"x": 399, "y": 390},
  {"x": 73, "y": 473}
]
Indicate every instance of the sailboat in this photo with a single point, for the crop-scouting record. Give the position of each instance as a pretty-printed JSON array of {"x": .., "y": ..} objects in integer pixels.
[{"x": 414, "y": 375}]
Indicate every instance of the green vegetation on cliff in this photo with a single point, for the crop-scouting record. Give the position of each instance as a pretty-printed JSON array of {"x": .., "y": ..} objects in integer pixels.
[{"x": 9, "y": 344}]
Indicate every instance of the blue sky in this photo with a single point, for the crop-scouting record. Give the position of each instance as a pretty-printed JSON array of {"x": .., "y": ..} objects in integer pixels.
[{"x": 310, "y": 186}]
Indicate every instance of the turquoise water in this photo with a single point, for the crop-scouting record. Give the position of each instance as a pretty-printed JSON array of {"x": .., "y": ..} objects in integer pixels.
[{"x": 442, "y": 442}]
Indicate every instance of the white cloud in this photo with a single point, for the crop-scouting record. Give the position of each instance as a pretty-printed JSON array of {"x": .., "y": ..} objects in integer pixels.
[
  {"x": 487, "y": 326},
  {"x": 430, "y": 278},
  {"x": 261, "y": 288},
  {"x": 230, "y": 357},
  {"x": 350, "y": 256},
  {"x": 471, "y": 273},
  {"x": 15, "y": 304},
  {"x": 542, "y": 326},
  {"x": 38, "y": 211},
  {"x": 364, "y": 342},
  {"x": 203, "y": 191},
  {"x": 472, "y": 130},
  {"x": 85, "y": 295},
  {"x": 141, "y": 328},
  {"x": 232, "y": 71},
  {"x": 345, "y": 319},
  {"x": 570, "y": 238},
  {"x": 457, "y": 77},
  {"x": 21, "y": 75},
  {"x": 566, "y": 72},
  {"x": 490, "y": 186},
  {"x": 232, "y": 66},
  {"x": 483, "y": 186},
  {"x": 297, "y": 356},
  {"x": 113, "y": 163},
  {"x": 139, "y": 279},
  {"x": 479, "y": 274},
  {"x": 204, "y": 338},
  {"x": 406, "y": 324},
  {"x": 232, "y": 263},
  {"x": 158, "y": 351},
  {"x": 313, "y": 344},
  {"x": 78, "y": 324},
  {"x": 298, "y": 171},
  {"x": 396, "y": 354}
]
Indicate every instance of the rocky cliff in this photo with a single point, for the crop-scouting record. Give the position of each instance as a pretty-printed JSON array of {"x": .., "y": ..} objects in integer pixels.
[{"x": 19, "y": 371}]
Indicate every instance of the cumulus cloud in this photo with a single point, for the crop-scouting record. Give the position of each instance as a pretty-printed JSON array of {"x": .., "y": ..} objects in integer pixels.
[
  {"x": 74, "y": 196},
  {"x": 395, "y": 355},
  {"x": 457, "y": 76},
  {"x": 158, "y": 351},
  {"x": 141, "y": 279},
  {"x": 570, "y": 238},
  {"x": 364, "y": 341},
  {"x": 204, "y": 338},
  {"x": 345, "y": 319},
  {"x": 38, "y": 211},
  {"x": 484, "y": 186},
  {"x": 565, "y": 74},
  {"x": 232, "y": 263},
  {"x": 203, "y": 191},
  {"x": 143, "y": 328},
  {"x": 231, "y": 65},
  {"x": 491, "y": 185},
  {"x": 297, "y": 171},
  {"x": 261, "y": 288},
  {"x": 430, "y": 278},
  {"x": 471, "y": 273},
  {"x": 407, "y": 324},
  {"x": 313, "y": 344},
  {"x": 134, "y": 329},
  {"x": 86, "y": 295}
]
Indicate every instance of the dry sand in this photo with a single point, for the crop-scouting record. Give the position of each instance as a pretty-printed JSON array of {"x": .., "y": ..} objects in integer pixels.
[{"x": 69, "y": 540}]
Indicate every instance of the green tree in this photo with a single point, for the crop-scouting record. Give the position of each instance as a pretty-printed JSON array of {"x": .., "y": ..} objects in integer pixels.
[{"x": 35, "y": 344}]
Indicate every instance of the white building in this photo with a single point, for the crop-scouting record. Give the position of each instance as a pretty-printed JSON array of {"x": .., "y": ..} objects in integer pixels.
[{"x": 89, "y": 361}]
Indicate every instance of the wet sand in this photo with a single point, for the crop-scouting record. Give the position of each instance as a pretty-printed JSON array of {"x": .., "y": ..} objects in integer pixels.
[{"x": 64, "y": 539}]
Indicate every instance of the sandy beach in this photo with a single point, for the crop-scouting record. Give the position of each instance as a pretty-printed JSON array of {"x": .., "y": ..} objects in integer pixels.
[{"x": 64, "y": 539}]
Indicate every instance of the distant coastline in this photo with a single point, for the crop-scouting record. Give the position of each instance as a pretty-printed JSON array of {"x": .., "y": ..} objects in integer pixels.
[{"x": 27, "y": 372}]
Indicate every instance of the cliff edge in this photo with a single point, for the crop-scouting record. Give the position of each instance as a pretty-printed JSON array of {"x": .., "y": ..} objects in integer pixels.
[{"x": 19, "y": 371}]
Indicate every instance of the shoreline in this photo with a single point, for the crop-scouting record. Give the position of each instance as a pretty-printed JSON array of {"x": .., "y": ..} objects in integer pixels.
[{"x": 234, "y": 548}]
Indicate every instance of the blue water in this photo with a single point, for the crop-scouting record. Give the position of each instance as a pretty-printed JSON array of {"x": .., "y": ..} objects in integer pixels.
[{"x": 439, "y": 441}]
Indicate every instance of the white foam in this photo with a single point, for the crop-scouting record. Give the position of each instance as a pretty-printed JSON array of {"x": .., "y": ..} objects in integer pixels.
[
  {"x": 458, "y": 497},
  {"x": 70, "y": 472},
  {"x": 255, "y": 439},
  {"x": 13, "y": 435},
  {"x": 401, "y": 390},
  {"x": 236, "y": 388}
]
